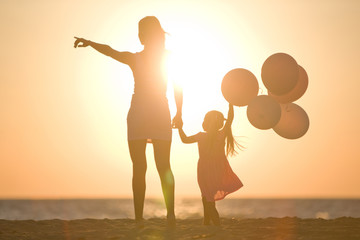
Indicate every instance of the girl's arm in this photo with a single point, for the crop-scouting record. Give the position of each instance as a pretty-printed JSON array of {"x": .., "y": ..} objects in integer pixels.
[
  {"x": 230, "y": 118},
  {"x": 186, "y": 139},
  {"x": 123, "y": 57}
]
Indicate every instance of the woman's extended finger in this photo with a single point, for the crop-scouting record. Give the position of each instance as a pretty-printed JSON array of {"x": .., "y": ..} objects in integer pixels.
[{"x": 76, "y": 43}]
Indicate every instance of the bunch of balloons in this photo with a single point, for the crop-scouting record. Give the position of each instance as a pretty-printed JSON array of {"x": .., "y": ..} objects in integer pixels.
[{"x": 286, "y": 82}]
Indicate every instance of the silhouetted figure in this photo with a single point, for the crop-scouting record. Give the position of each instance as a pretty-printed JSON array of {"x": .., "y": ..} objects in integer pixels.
[
  {"x": 148, "y": 119},
  {"x": 215, "y": 176}
]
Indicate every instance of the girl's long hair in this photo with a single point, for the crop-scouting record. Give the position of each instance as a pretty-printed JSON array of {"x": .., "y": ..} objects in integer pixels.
[{"x": 231, "y": 143}]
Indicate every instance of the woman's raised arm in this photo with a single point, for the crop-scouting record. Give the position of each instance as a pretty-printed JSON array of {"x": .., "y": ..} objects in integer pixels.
[{"x": 123, "y": 57}]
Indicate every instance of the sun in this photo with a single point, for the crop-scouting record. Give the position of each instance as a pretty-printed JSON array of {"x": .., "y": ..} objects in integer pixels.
[{"x": 198, "y": 61}]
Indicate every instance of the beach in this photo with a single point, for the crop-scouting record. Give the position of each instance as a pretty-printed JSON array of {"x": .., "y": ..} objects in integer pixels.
[{"x": 345, "y": 228}]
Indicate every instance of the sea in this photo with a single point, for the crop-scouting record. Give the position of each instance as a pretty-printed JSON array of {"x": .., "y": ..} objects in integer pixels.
[{"x": 70, "y": 209}]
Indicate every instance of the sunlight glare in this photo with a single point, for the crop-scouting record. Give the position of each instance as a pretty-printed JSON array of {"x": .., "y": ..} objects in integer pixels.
[{"x": 198, "y": 63}]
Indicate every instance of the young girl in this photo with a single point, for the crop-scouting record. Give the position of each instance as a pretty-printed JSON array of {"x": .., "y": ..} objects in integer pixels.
[{"x": 215, "y": 176}]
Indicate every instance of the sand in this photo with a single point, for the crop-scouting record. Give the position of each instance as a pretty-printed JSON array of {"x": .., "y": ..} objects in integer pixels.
[{"x": 244, "y": 229}]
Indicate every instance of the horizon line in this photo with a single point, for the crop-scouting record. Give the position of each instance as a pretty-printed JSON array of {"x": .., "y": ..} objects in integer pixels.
[{"x": 179, "y": 198}]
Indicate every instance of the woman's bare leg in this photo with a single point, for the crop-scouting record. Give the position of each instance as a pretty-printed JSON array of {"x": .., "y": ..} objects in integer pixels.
[
  {"x": 137, "y": 153},
  {"x": 162, "y": 160}
]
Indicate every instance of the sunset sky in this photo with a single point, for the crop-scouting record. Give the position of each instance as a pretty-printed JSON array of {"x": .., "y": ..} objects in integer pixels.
[{"x": 63, "y": 110}]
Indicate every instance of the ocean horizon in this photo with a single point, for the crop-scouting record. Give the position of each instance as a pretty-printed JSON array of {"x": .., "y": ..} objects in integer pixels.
[{"x": 185, "y": 208}]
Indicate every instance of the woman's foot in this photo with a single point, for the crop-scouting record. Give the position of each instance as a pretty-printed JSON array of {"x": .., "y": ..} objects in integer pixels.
[
  {"x": 139, "y": 222},
  {"x": 171, "y": 221}
]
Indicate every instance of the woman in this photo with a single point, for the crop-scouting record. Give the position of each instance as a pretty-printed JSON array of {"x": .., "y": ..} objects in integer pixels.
[{"x": 149, "y": 116}]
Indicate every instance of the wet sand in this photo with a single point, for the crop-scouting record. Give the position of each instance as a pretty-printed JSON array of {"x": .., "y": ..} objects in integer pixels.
[{"x": 244, "y": 229}]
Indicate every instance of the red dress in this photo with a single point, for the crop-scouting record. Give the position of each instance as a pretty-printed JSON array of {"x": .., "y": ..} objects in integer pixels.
[{"x": 215, "y": 177}]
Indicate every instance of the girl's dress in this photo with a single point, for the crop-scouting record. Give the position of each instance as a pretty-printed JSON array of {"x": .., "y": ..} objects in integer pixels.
[
  {"x": 149, "y": 114},
  {"x": 216, "y": 179}
]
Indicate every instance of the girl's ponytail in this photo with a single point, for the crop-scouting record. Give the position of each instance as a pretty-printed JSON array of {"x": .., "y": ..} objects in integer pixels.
[{"x": 231, "y": 143}]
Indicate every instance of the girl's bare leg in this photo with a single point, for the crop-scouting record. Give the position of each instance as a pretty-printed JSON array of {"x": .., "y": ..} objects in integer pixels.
[
  {"x": 137, "y": 153},
  {"x": 214, "y": 215},
  {"x": 206, "y": 211}
]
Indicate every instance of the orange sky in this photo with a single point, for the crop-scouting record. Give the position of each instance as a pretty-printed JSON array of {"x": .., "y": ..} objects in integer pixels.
[{"x": 63, "y": 110}]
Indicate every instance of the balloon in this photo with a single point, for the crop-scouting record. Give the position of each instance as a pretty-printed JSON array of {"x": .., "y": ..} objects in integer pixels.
[
  {"x": 239, "y": 86},
  {"x": 297, "y": 91},
  {"x": 294, "y": 122},
  {"x": 263, "y": 112},
  {"x": 280, "y": 73}
]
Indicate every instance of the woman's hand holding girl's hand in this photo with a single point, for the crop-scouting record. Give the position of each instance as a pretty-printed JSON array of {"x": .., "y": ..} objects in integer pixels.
[
  {"x": 179, "y": 125},
  {"x": 177, "y": 121},
  {"x": 84, "y": 42}
]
